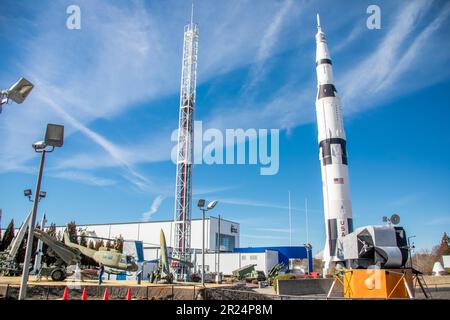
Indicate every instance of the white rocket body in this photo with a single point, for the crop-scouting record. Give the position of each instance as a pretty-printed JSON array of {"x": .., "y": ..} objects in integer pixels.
[{"x": 333, "y": 156}]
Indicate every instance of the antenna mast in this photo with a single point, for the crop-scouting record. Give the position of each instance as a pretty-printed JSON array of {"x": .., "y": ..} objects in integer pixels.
[{"x": 185, "y": 150}]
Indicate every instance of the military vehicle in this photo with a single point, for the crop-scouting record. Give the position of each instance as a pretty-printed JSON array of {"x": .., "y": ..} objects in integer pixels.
[
  {"x": 163, "y": 273},
  {"x": 8, "y": 258},
  {"x": 70, "y": 254}
]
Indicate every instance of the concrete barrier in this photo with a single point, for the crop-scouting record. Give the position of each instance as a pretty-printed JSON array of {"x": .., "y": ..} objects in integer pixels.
[
  {"x": 299, "y": 287},
  {"x": 45, "y": 292}
]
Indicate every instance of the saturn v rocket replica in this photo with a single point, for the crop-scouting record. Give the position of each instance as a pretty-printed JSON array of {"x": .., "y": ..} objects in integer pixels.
[{"x": 333, "y": 157}]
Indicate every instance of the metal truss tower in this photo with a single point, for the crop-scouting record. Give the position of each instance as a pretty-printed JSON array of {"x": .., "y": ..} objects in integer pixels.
[{"x": 183, "y": 189}]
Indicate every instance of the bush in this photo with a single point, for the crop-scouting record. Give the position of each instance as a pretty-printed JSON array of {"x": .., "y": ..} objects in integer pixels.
[{"x": 287, "y": 276}]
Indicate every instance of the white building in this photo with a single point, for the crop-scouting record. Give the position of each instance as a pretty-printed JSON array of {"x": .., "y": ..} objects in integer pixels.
[
  {"x": 149, "y": 233},
  {"x": 230, "y": 261}
]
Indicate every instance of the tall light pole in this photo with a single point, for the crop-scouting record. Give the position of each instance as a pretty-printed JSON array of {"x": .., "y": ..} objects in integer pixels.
[
  {"x": 308, "y": 249},
  {"x": 54, "y": 137},
  {"x": 17, "y": 93},
  {"x": 410, "y": 248},
  {"x": 290, "y": 220},
  {"x": 210, "y": 206}
]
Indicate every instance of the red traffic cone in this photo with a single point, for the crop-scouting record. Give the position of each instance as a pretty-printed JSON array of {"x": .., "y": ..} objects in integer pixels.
[
  {"x": 84, "y": 294},
  {"x": 65, "y": 294},
  {"x": 128, "y": 294},
  {"x": 106, "y": 295}
]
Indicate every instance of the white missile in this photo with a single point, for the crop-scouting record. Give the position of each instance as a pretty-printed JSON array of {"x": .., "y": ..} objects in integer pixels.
[{"x": 333, "y": 156}]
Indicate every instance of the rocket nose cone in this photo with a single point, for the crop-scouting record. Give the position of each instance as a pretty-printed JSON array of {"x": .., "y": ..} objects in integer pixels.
[{"x": 162, "y": 237}]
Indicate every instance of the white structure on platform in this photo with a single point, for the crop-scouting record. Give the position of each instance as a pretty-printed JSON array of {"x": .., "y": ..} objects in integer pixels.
[
  {"x": 438, "y": 270},
  {"x": 148, "y": 233}
]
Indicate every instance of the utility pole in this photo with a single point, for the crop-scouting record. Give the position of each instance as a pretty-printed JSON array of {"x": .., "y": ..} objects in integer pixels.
[
  {"x": 203, "y": 246},
  {"x": 219, "y": 278},
  {"x": 306, "y": 218},
  {"x": 290, "y": 220}
]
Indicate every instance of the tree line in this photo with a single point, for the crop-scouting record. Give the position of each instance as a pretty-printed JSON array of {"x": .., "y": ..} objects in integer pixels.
[{"x": 83, "y": 239}]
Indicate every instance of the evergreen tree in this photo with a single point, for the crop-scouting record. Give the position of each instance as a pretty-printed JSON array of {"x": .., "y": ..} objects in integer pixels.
[
  {"x": 98, "y": 244},
  {"x": 46, "y": 258},
  {"x": 72, "y": 230},
  {"x": 51, "y": 231},
  {"x": 443, "y": 249},
  {"x": 23, "y": 248},
  {"x": 119, "y": 244},
  {"x": 8, "y": 236},
  {"x": 83, "y": 240}
]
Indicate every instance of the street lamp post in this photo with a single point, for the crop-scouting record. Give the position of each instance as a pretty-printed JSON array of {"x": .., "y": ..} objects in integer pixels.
[
  {"x": 308, "y": 248},
  {"x": 409, "y": 251},
  {"x": 210, "y": 206},
  {"x": 54, "y": 137}
]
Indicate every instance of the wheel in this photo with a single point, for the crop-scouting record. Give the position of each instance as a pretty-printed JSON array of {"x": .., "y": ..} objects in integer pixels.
[{"x": 58, "y": 275}]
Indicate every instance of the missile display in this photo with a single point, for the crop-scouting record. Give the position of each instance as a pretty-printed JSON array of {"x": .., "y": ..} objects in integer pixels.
[{"x": 333, "y": 157}]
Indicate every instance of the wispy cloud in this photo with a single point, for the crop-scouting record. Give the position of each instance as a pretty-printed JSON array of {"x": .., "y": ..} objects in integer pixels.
[
  {"x": 405, "y": 200},
  {"x": 263, "y": 204},
  {"x": 83, "y": 177},
  {"x": 254, "y": 236},
  {"x": 267, "y": 44},
  {"x": 211, "y": 190},
  {"x": 371, "y": 81},
  {"x": 440, "y": 221},
  {"x": 134, "y": 59},
  {"x": 278, "y": 230},
  {"x": 146, "y": 216}
]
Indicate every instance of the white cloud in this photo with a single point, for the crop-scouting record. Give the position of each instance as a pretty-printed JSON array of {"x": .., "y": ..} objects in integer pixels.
[
  {"x": 83, "y": 177},
  {"x": 122, "y": 56},
  {"x": 439, "y": 221},
  {"x": 379, "y": 77},
  {"x": 146, "y": 216},
  {"x": 252, "y": 236},
  {"x": 262, "y": 204},
  {"x": 266, "y": 45},
  {"x": 116, "y": 62},
  {"x": 277, "y": 230}
]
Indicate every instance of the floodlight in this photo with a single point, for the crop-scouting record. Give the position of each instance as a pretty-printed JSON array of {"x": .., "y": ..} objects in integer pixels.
[
  {"x": 201, "y": 203},
  {"x": 27, "y": 192},
  {"x": 39, "y": 145},
  {"x": 54, "y": 136},
  {"x": 212, "y": 204},
  {"x": 42, "y": 194},
  {"x": 20, "y": 90}
]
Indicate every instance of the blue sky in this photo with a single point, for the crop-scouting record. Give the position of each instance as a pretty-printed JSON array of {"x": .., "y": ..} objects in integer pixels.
[{"x": 114, "y": 84}]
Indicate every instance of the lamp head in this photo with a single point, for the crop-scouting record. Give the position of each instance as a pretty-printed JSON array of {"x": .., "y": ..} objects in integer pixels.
[
  {"x": 201, "y": 203},
  {"x": 40, "y": 145},
  {"x": 27, "y": 192},
  {"x": 212, "y": 204},
  {"x": 19, "y": 90},
  {"x": 54, "y": 135}
]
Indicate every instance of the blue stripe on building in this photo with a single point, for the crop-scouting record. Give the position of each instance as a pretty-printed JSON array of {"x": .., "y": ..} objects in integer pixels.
[{"x": 284, "y": 253}]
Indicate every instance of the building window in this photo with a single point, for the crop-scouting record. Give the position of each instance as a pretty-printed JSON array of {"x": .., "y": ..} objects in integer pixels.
[
  {"x": 227, "y": 242},
  {"x": 253, "y": 257}
]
